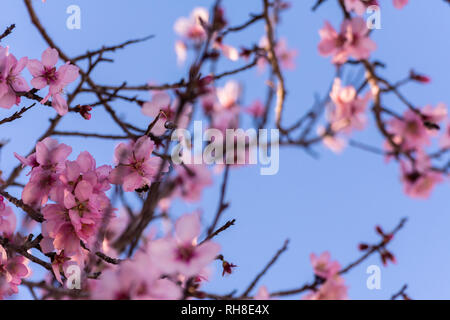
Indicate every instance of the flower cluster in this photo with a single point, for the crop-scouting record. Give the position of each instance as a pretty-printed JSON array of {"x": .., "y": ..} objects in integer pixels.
[
  {"x": 333, "y": 285},
  {"x": 77, "y": 190},
  {"x": 347, "y": 113},
  {"x": 11, "y": 80},
  {"x": 12, "y": 271},
  {"x": 194, "y": 30},
  {"x": 13, "y": 84},
  {"x": 351, "y": 41},
  {"x": 360, "y": 6},
  {"x": 7, "y": 220},
  {"x": 162, "y": 268},
  {"x": 45, "y": 74},
  {"x": 136, "y": 168}
]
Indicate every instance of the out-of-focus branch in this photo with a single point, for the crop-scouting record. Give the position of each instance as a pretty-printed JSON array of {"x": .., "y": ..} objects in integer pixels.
[
  {"x": 350, "y": 266},
  {"x": 7, "y": 32}
]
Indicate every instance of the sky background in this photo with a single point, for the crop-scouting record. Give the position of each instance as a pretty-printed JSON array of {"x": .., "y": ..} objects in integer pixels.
[{"x": 331, "y": 203}]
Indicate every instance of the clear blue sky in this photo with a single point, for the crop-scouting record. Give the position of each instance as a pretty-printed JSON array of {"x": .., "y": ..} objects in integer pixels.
[{"x": 328, "y": 204}]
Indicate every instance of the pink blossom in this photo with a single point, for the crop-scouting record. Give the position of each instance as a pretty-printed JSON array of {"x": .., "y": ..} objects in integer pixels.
[
  {"x": 349, "y": 111},
  {"x": 46, "y": 74},
  {"x": 323, "y": 266},
  {"x": 191, "y": 28},
  {"x": 191, "y": 180},
  {"x": 80, "y": 205},
  {"x": 180, "y": 253},
  {"x": 229, "y": 94},
  {"x": 228, "y": 51},
  {"x": 333, "y": 289},
  {"x": 162, "y": 105},
  {"x": 419, "y": 179},
  {"x": 399, "y": 4},
  {"x": 222, "y": 105},
  {"x": 435, "y": 115},
  {"x": 47, "y": 163},
  {"x": 285, "y": 56},
  {"x": 262, "y": 294},
  {"x": 181, "y": 52},
  {"x": 359, "y": 6},
  {"x": 352, "y": 41},
  {"x": 12, "y": 271},
  {"x": 411, "y": 131},
  {"x": 136, "y": 168},
  {"x": 7, "y": 220},
  {"x": 256, "y": 109},
  {"x": 11, "y": 80},
  {"x": 334, "y": 142},
  {"x": 60, "y": 264},
  {"x": 136, "y": 279}
]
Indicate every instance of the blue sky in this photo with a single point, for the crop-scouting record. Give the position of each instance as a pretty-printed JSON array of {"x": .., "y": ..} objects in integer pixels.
[{"x": 331, "y": 203}]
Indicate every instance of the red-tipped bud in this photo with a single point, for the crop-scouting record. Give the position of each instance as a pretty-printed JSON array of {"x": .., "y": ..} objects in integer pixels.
[
  {"x": 206, "y": 81},
  {"x": 363, "y": 246},
  {"x": 2, "y": 205},
  {"x": 379, "y": 230},
  {"x": 388, "y": 237},
  {"x": 85, "y": 112},
  {"x": 419, "y": 77},
  {"x": 227, "y": 268}
]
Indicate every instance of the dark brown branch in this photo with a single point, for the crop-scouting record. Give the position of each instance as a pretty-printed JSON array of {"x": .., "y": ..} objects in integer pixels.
[
  {"x": 110, "y": 48},
  {"x": 401, "y": 293},
  {"x": 372, "y": 250},
  {"x": 222, "y": 205},
  {"x": 218, "y": 231},
  {"x": 90, "y": 135},
  {"x": 7, "y": 32},
  {"x": 35, "y": 215},
  {"x": 16, "y": 115}
]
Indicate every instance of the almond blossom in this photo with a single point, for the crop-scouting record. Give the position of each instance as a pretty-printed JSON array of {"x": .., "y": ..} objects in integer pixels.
[
  {"x": 162, "y": 107},
  {"x": 256, "y": 109},
  {"x": 358, "y": 6},
  {"x": 81, "y": 207},
  {"x": 12, "y": 271},
  {"x": 136, "y": 279},
  {"x": 323, "y": 266},
  {"x": 399, "y": 4},
  {"x": 11, "y": 80},
  {"x": 262, "y": 294},
  {"x": 285, "y": 56},
  {"x": 411, "y": 129},
  {"x": 47, "y": 164},
  {"x": 191, "y": 28},
  {"x": 352, "y": 41},
  {"x": 191, "y": 180},
  {"x": 333, "y": 141},
  {"x": 136, "y": 168},
  {"x": 333, "y": 287},
  {"x": 7, "y": 220},
  {"x": 45, "y": 74},
  {"x": 222, "y": 105},
  {"x": 419, "y": 179},
  {"x": 180, "y": 253},
  {"x": 349, "y": 109}
]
